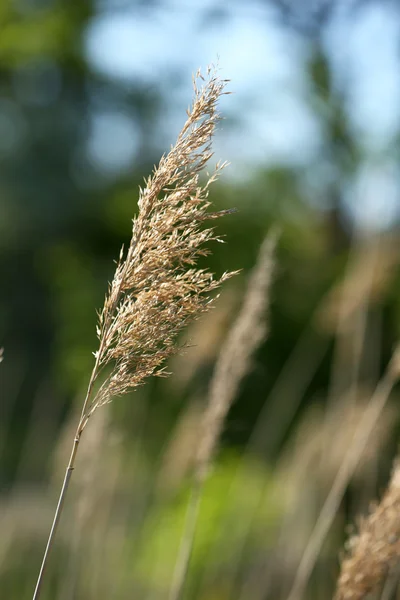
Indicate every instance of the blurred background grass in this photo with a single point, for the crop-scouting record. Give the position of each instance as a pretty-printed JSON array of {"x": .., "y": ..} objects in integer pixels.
[{"x": 91, "y": 94}]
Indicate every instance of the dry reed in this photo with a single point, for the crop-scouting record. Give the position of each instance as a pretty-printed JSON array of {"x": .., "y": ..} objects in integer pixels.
[
  {"x": 347, "y": 468},
  {"x": 376, "y": 549},
  {"x": 234, "y": 360},
  {"x": 157, "y": 288},
  {"x": 233, "y": 363}
]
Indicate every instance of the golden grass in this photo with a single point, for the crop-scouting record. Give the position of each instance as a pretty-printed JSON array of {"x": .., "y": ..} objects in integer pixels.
[{"x": 157, "y": 287}]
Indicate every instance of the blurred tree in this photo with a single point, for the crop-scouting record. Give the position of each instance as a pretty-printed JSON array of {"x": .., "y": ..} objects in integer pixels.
[
  {"x": 53, "y": 227},
  {"x": 68, "y": 192}
]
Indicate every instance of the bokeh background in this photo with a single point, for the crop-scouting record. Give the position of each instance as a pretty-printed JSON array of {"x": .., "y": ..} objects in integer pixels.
[{"x": 92, "y": 93}]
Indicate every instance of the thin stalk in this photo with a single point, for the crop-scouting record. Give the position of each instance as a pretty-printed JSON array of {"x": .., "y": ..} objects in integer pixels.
[
  {"x": 85, "y": 415},
  {"x": 171, "y": 196},
  {"x": 65, "y": 485},
  {"x": 57, "y": 516}
]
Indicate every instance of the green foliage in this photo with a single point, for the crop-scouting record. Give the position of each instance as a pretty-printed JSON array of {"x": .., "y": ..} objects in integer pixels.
[
  {"x": 32, "y": 32},
  {"x": 237, "y": 488}
]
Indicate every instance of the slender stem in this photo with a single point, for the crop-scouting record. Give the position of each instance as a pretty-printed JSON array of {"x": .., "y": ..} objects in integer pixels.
[
  {"x": 57, "y": 515},
  {"x": 85, "y": 415},
  {"x": 67, "y": 478}
]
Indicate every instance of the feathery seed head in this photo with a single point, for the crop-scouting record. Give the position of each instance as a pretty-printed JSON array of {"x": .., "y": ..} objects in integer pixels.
[{"x": 157, "y": 288}]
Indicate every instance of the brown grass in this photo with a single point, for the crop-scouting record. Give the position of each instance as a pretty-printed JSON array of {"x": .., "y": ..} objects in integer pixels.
[
  {"x": 233, "y": 363},
  {"x": 355, "y": 450},
  {"x": 157, "y": 287},
  {"x": 376, "y": 549}
]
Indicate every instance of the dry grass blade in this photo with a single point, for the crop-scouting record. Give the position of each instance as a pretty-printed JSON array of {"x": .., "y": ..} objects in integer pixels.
[
  {"x": 157, "y": 288},
  {"x": 376, "y": 549},
  {"x": 234, "y": 360}
]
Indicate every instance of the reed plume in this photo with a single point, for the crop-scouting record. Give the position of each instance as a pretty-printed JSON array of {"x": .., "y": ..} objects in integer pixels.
[
  {"x": 376, "y": 549},
  {"x": 351, "y": 460},
  {"x": 157, "y": 287},
  {"x": 233, "y": 363},
  {"x": 154, "y": 294}
]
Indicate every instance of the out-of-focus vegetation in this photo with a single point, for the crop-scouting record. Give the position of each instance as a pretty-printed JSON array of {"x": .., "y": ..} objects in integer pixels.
[{"x": 334, "y": 318}]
